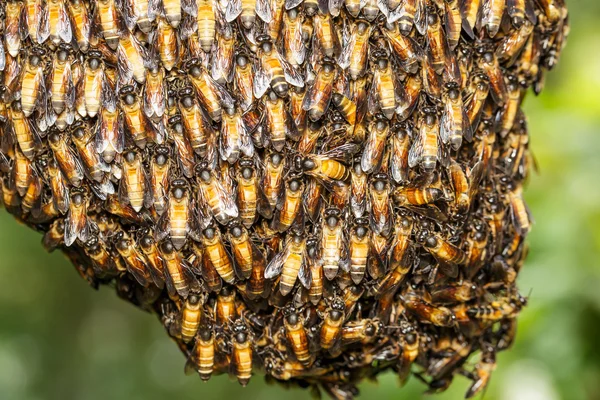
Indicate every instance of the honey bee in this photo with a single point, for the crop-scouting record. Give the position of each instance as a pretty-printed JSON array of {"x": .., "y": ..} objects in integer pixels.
[
  {"x": 201, "y": 262},
  {"x": 242, "y": 353},
  {"x": 279, "y": 121},
  {"x": 211, "y": 94},
  {"x": 372, "y": 156},
  {"x": 234, "y": 136},
  {"x": 132, "y": 59},
  {"x": 93, "y": 88},
  {"x": 245, "y": 253},
  {"x": 318, "y": 97},
  {"x": 134, "y": 261},
  {"x": 154, "y": 94},
  {"x": 426, "y": 150},
  {"x": 185, "y": 152},
  {"x": 328, "y": 166},
  {"x": 110, "y": 139},
  {"x": 107, "y": 11},
  {"x": 358, "y": 190},
  {"x": 364, "y": 331},
  {"x": 83, "y": 139},
  {"x": 454, "y": 293},
  {"x": 32, "y": 199},
  {"x": 177, "y": 221},
  {"x": 477, "y": 242},
  {"x": 507, "y": 307},
  {"x": 427, "y": 313},
  {"x": 490, "y": 65},
  {"x": 400, "y": 244},
  {"x": 454, "y": 124},
  {"x": 289, "y": 206},
  {"x": 483, "y": 371},
  {"x": 347, "y": 109},
  {"x": 331, "y": 330},
  {"x": 491, "y": 15},
  {"x": 448, "y": 255},
  {"x": 12, "y": 27},
  {"x": 134, "y": 184},
  {"x": 152, "y": 255},
  {"x": 58, "y": 186},
  {"x": 382, "y": 96},
  {"x": 56, "y": 25},
  {"x": 272, "y": 182},
  {"x": 202, "y": 358},
  {"x": 358, "y": 249},
  {"x": 216, "y": 254},
  {"x": 243, "y": 81},
  {"x": 31, "y": 15},
  {"x": 33, "y": 89},
  {"x": 214, "y": 196},
  {"x": 379, "y": 201},
  {"x": 520, "y": 214},
  {"x": 179, "y": 277},
  {"x": 66, "y": 158},
  {"x": 290, "y": 264},
  {"x": 410, "y": 351},
  {"x": 273, "y": 71},
  {"x": 197, "y": 127},
  {"x": 54, "y": 237},
  {"x": 296, "y": 335},
  {"x": 135, "y": 121},
  {"x": 249, "y": 196},
  {"x": 511, "y": 107},
  {"x": 355, "y": 53},
  {"x": 332, "y": 242},
  {"x": 63, "y": 91},
  {"x": 294, "y": 48},
  {"x": 22, "y": 170},
  {"x": 25, "y": 133},
  {"x": 166, "y": 44},
  {"x": 191, "y": 314},
  {"x": 77, "y": 224},
  {"x": 102, "y": 261}
]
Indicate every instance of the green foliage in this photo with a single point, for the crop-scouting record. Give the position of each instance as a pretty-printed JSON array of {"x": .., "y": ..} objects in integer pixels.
[{"x": 61, "y": 340}]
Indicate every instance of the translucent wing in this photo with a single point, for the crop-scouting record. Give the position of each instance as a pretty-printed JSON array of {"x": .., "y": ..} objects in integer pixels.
[
  {"x": 289, "y": 4},
  {"x": 292, "y": 76},
  {"x": 262, "y": 80},
  {"x": 275, "y": 266},
  {"x": 189, "y": 7},
  {"x": 263, "y": 10},
  {"x": 234, "y": 9},
  {"x": 415, "y": 154},
  {"x": 305, "y": 274}
]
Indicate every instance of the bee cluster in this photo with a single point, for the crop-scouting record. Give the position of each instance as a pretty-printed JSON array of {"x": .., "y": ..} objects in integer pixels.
[{"x": 321, "y": 190}]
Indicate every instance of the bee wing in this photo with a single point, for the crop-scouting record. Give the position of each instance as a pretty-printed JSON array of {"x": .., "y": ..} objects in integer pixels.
[
  {"x": 289, "y": 4},
  {"x": 443, "y": 154},
  {"x": 334, "y": 7},
  {"x": 188, "y": 6},
  {"x": 466, "y": 126},
  {"x": 346, "y": 53},
  {"x": 75, "y": 224},
  {"x": 292, "y": 76},
  {"x": 262, "y": 80},
  {"x": 124, "y": 66},
  {"x": 44, "y": 25},
  {"x": 448, "y": 269},
  {"x": 64, "y": 24},
  {"x": 233, "y": 10},
  {"x": 446, "y": 125},
  {"x": 263, "y": 10},
  {"x": 129, "y": 14},
  {"x": 305, "y": 273},
  {"x": 275, "y": 266},
  {"x": 246, "y": 145},
  {"x": 421, "y": 17},
  {"x": 415, "y": 154}
]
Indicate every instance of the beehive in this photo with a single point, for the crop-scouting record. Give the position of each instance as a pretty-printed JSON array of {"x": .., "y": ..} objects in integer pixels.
[{"x": 319, "y": 191}]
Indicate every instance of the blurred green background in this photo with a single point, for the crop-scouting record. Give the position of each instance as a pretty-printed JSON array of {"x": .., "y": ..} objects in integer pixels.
[{"x": 61, "y": 340}]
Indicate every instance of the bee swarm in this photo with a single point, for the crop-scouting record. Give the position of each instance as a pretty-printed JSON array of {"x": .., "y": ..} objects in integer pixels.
[{"x": 320, "y": 191}]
